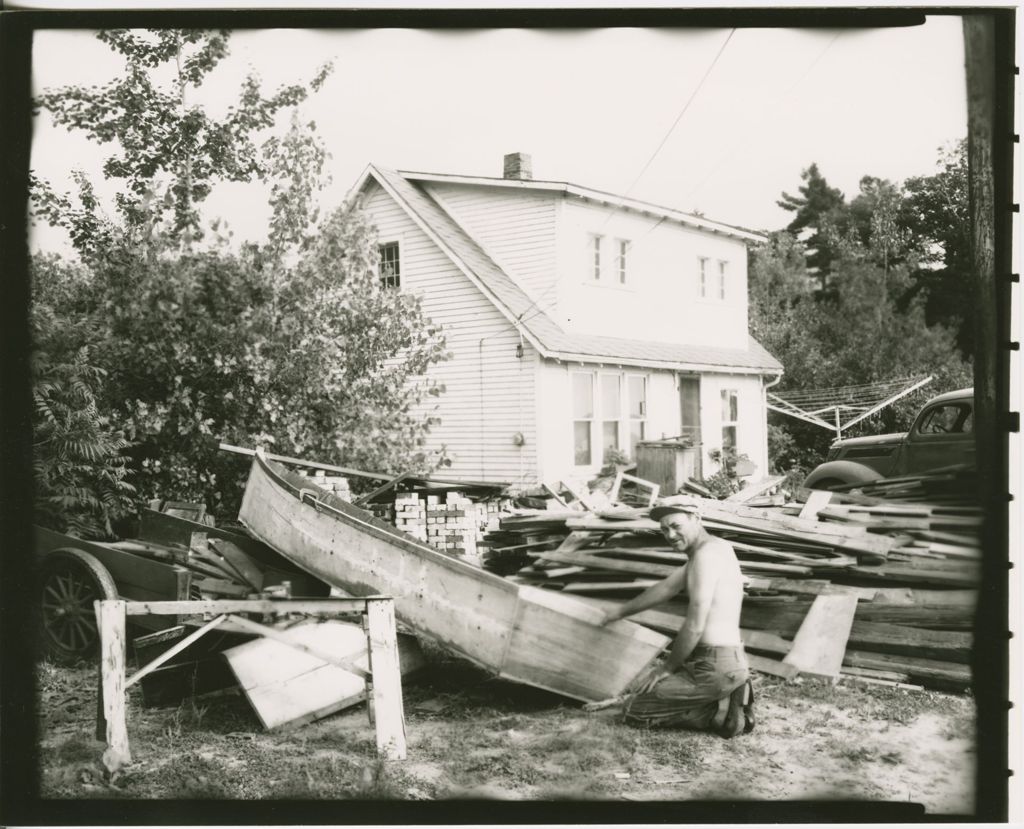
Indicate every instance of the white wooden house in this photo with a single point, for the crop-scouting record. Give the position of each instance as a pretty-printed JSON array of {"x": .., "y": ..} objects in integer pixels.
[{"x": 576, "y": 319}]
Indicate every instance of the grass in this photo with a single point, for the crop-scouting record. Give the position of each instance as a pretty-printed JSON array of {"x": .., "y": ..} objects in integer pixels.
[{"x": 467, "y": 733}]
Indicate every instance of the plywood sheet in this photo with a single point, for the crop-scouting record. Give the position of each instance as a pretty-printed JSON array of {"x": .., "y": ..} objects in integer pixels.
[
  {"x": 287, "y": 687},
  {"x": 820, "y": 643}
]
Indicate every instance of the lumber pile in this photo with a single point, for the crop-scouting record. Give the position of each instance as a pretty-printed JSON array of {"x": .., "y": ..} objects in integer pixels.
[{"x": 842, "y": 584}]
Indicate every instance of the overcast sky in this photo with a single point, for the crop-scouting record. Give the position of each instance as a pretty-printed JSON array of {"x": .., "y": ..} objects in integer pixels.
[{"x": 590, "y": 107}]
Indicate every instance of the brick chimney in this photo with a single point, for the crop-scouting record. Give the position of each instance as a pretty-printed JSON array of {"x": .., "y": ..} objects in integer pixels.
[{"x": 518, "y": 165}]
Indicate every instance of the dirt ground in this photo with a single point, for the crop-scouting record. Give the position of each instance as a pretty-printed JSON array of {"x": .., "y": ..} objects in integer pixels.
[{"x": 473, "y": 736}]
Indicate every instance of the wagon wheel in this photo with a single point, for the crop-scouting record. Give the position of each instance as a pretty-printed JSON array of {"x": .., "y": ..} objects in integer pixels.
[{"x": 71, "y": 581}]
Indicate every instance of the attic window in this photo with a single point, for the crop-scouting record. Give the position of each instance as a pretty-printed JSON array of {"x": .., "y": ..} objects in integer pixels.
[{"x": 390, "y": 267}]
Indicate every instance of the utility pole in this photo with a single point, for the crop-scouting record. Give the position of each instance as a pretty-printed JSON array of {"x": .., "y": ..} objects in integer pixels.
[{"x": 989, "y": 69}]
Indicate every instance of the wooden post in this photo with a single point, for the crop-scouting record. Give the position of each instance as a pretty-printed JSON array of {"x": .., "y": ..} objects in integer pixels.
[
  {"x": 387, "y": 679},
  {"x": 110, "y": 619}
]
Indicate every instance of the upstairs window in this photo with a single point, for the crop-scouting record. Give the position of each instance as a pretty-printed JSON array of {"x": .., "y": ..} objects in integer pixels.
[
  {"x": 623, "y": 245},
  {"x": 702, "y": 277},
  {"x": 722, "y": 268},
  {"x": 595, "y": 247},
  {"x": 390, "y": 266}
]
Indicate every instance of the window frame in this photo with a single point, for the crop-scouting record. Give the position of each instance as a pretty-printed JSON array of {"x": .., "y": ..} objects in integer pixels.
[
  {"x": 577, "y": 419},
  {"x": 624, "y": 418},
  {"x": 730, "y": 398},
  {"x": 624, "y": 246},
  {"x": 393, "y": 280},
  {"x": 722, "y": 274},
  {"x": 596, "y": 259},
  {"x": 702, "y": 277}
]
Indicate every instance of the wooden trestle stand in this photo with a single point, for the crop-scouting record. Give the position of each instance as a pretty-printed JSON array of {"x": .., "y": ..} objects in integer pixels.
[{"x": 384, "y": 691}]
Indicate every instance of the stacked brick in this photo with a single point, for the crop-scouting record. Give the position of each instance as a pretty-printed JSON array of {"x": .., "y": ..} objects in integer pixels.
[
  {"x": 451, "y": 522},
  {"x": 335, "y": 484}
]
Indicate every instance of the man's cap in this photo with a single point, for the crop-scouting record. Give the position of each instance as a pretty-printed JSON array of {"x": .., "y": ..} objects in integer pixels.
[{"x": 676, "y": 504}]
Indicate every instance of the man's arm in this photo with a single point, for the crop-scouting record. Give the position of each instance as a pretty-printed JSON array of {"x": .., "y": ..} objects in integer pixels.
[
  {"x": 703, "y": 580},
  {"x": 654, "y": 595}
]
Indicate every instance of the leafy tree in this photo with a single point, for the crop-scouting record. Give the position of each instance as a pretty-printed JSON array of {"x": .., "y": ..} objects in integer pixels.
[
  {"x": 169, "y": 151},
  {"x": 292, "y": 344},
  {"x": 81, "y": 477},
  {"x": 937, "y": 215},
  {"x": 821, "y": 209}
]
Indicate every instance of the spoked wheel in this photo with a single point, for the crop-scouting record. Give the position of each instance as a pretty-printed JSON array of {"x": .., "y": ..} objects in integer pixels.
[{"x": 72, "y": 580}]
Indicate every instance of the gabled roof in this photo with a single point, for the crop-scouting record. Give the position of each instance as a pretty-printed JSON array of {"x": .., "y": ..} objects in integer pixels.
[
  {"x": 591, "y": 194},
  {"x": 522, "y": 312}
]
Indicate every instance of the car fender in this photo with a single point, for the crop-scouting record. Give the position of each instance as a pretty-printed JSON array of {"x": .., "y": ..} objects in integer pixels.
[{"x": 849, "y": 472}]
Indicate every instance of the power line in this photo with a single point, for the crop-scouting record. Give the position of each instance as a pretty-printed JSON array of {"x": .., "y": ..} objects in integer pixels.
[
  {"x": 742, "y": 143},
  {"x": 643, "y": 170},
  {"x": 682, "y": 112}
]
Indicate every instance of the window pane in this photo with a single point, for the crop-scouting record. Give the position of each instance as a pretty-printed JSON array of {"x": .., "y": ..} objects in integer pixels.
[
  {"x": 611, "y": 405},
  {"x": 733, "y": 406},
  {"x": 729, "y": 437},
  {"x": 610, "y": 434},
  {"x": 582, "y": 395},
  {"x": 729, "y": 406},
  {"x": 390, "y": 271},
  {"x": 637, "y": 396},
  {"x": 721, "y": 279},
  {"x": 703, "y": 277},
  {"x": 596, "y": 246},
  {"x": 636, "y": 434},
  {"x": 581, "y": 439},
  {"x": 623, "y": 250}
]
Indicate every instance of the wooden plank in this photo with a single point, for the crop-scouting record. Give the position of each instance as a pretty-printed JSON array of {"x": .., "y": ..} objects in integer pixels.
[
  {"x": 609, "y": 586},
  {"x": 110, "y": 619},
  {"x": 389, "y": 718},
  {"x": 936, "y": 673},
  {"x": 767, "y": 665},
  {"x": 760, "y": 640},
  {"x": 642, "y": 568},
  {"x": 821, "y": 640},
  {"x": 917, "y": 596},
  {"x": 204, "y": 606},
  {"x": 815, "y": 502},
  {"x": 822, "y": 587},
  {"x": 889, "y": 676},
  {"x": 757, "y": 488},
  {"x": 883, "y": 637},
  {"x": 236, "y": 558}
]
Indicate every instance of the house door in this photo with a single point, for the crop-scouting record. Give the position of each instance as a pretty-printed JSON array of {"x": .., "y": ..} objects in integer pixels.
[{"x": 689, "y": 414}]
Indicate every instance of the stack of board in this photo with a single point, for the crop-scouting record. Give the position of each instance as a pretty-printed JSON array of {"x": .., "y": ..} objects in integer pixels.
[{"x": 910, "y": 569}]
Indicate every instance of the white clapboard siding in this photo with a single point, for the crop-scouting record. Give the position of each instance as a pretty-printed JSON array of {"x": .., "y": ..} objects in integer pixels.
[
  {"x": 489, "y": 393},
  {"x": 517, "y": 228}
]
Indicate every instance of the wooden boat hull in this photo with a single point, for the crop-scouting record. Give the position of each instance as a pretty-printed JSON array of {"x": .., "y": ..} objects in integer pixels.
[{"x": 521, "y": 633}]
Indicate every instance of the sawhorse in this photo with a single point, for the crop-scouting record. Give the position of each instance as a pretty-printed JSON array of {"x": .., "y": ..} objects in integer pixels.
[{"x": 384, "y": 693}]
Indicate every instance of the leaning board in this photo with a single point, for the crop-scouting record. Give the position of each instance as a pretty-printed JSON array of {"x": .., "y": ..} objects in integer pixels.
[{"x": 288, "y": 687}]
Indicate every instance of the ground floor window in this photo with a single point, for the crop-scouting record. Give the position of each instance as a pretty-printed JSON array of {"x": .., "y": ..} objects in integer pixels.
[
  {"x": 609, "y": 414},
  {"x": 730, "y": 418},
  {"x": 637, "y": 387},
  {"x": 583, "y": 417}
]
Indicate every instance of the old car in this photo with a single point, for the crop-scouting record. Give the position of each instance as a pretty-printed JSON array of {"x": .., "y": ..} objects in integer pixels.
[{"x": 942, "y": 435}]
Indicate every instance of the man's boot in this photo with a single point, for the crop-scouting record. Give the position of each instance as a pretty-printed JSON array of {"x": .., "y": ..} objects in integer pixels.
[
  {"x": 735, "y": 721},
  {"x": 748, "y": 709}
]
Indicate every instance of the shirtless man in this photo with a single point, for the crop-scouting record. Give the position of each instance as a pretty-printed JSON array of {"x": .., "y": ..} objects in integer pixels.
[{"x": 704, "y": 683}]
